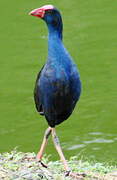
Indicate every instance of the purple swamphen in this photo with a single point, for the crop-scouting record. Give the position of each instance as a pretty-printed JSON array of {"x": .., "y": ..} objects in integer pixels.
[{"x": 58, "y": 84}]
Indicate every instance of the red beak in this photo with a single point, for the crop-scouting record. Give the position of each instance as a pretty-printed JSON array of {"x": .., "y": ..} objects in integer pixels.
[{"x": 40, "y": 12}]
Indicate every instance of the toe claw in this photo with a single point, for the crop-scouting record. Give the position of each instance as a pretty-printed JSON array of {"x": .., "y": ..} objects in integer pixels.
[
  {"x": 44, "y": 165},
  {"x": 67, "y": 173}
]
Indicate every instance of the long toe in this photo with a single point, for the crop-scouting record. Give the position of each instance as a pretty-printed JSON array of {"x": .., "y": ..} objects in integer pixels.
[{"x": 43, "y": 164}]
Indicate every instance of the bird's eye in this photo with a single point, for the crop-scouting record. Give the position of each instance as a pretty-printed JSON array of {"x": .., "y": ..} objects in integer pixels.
[
  {"x": 55, "y": 21},
  {"x": 49, "y": 12}
]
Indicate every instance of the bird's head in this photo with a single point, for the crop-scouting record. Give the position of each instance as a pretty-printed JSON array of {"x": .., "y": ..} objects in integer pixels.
[
  {"x": 42, "y": 11},
  {"x": 50, "y": 15}
]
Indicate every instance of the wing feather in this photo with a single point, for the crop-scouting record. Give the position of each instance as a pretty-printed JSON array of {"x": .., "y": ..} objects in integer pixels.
[{"x": 37, "y": 94}]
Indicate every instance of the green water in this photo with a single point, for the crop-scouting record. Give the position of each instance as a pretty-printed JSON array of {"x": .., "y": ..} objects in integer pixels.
[{"x": 90, "y": 34}]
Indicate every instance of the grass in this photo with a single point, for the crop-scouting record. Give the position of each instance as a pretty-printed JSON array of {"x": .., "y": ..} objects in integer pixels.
[{"x": 17, "y": 165}]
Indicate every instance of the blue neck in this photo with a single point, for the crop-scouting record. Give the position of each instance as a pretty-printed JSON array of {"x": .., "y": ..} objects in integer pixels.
[
  {"x": 54, "y": 43},
  {"x": 55, "y": 32}
]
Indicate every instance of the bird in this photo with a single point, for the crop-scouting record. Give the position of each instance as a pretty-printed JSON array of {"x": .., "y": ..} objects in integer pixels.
[{"x": 58, "y": 85}]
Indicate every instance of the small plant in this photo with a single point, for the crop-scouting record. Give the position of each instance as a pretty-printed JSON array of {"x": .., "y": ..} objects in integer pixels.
[{"x": 21, "y": 166}]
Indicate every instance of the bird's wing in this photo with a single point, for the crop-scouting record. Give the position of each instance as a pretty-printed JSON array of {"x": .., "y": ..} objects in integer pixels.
[{"x": 36, "y": 94}]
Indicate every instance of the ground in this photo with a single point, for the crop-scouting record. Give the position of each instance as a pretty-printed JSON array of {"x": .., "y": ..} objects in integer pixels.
[{"x": 23, "y": 166}]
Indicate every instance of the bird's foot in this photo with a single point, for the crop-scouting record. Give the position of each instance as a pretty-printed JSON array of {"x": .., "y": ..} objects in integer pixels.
[
  {"x": 38, "y": 158},
  {"x": 43, "y": 164},
  {"x": 75, "y": 175}
]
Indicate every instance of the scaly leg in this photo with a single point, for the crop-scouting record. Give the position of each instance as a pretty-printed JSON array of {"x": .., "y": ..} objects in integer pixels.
[
  {"x": 60, "y": 152},
  {"x": 43, "y": 145}
]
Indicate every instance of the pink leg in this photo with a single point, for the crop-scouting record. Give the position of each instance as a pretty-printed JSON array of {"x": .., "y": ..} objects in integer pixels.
[
  {"x": 44, "y": 143},
  {"x": 60, "y": 152}
]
